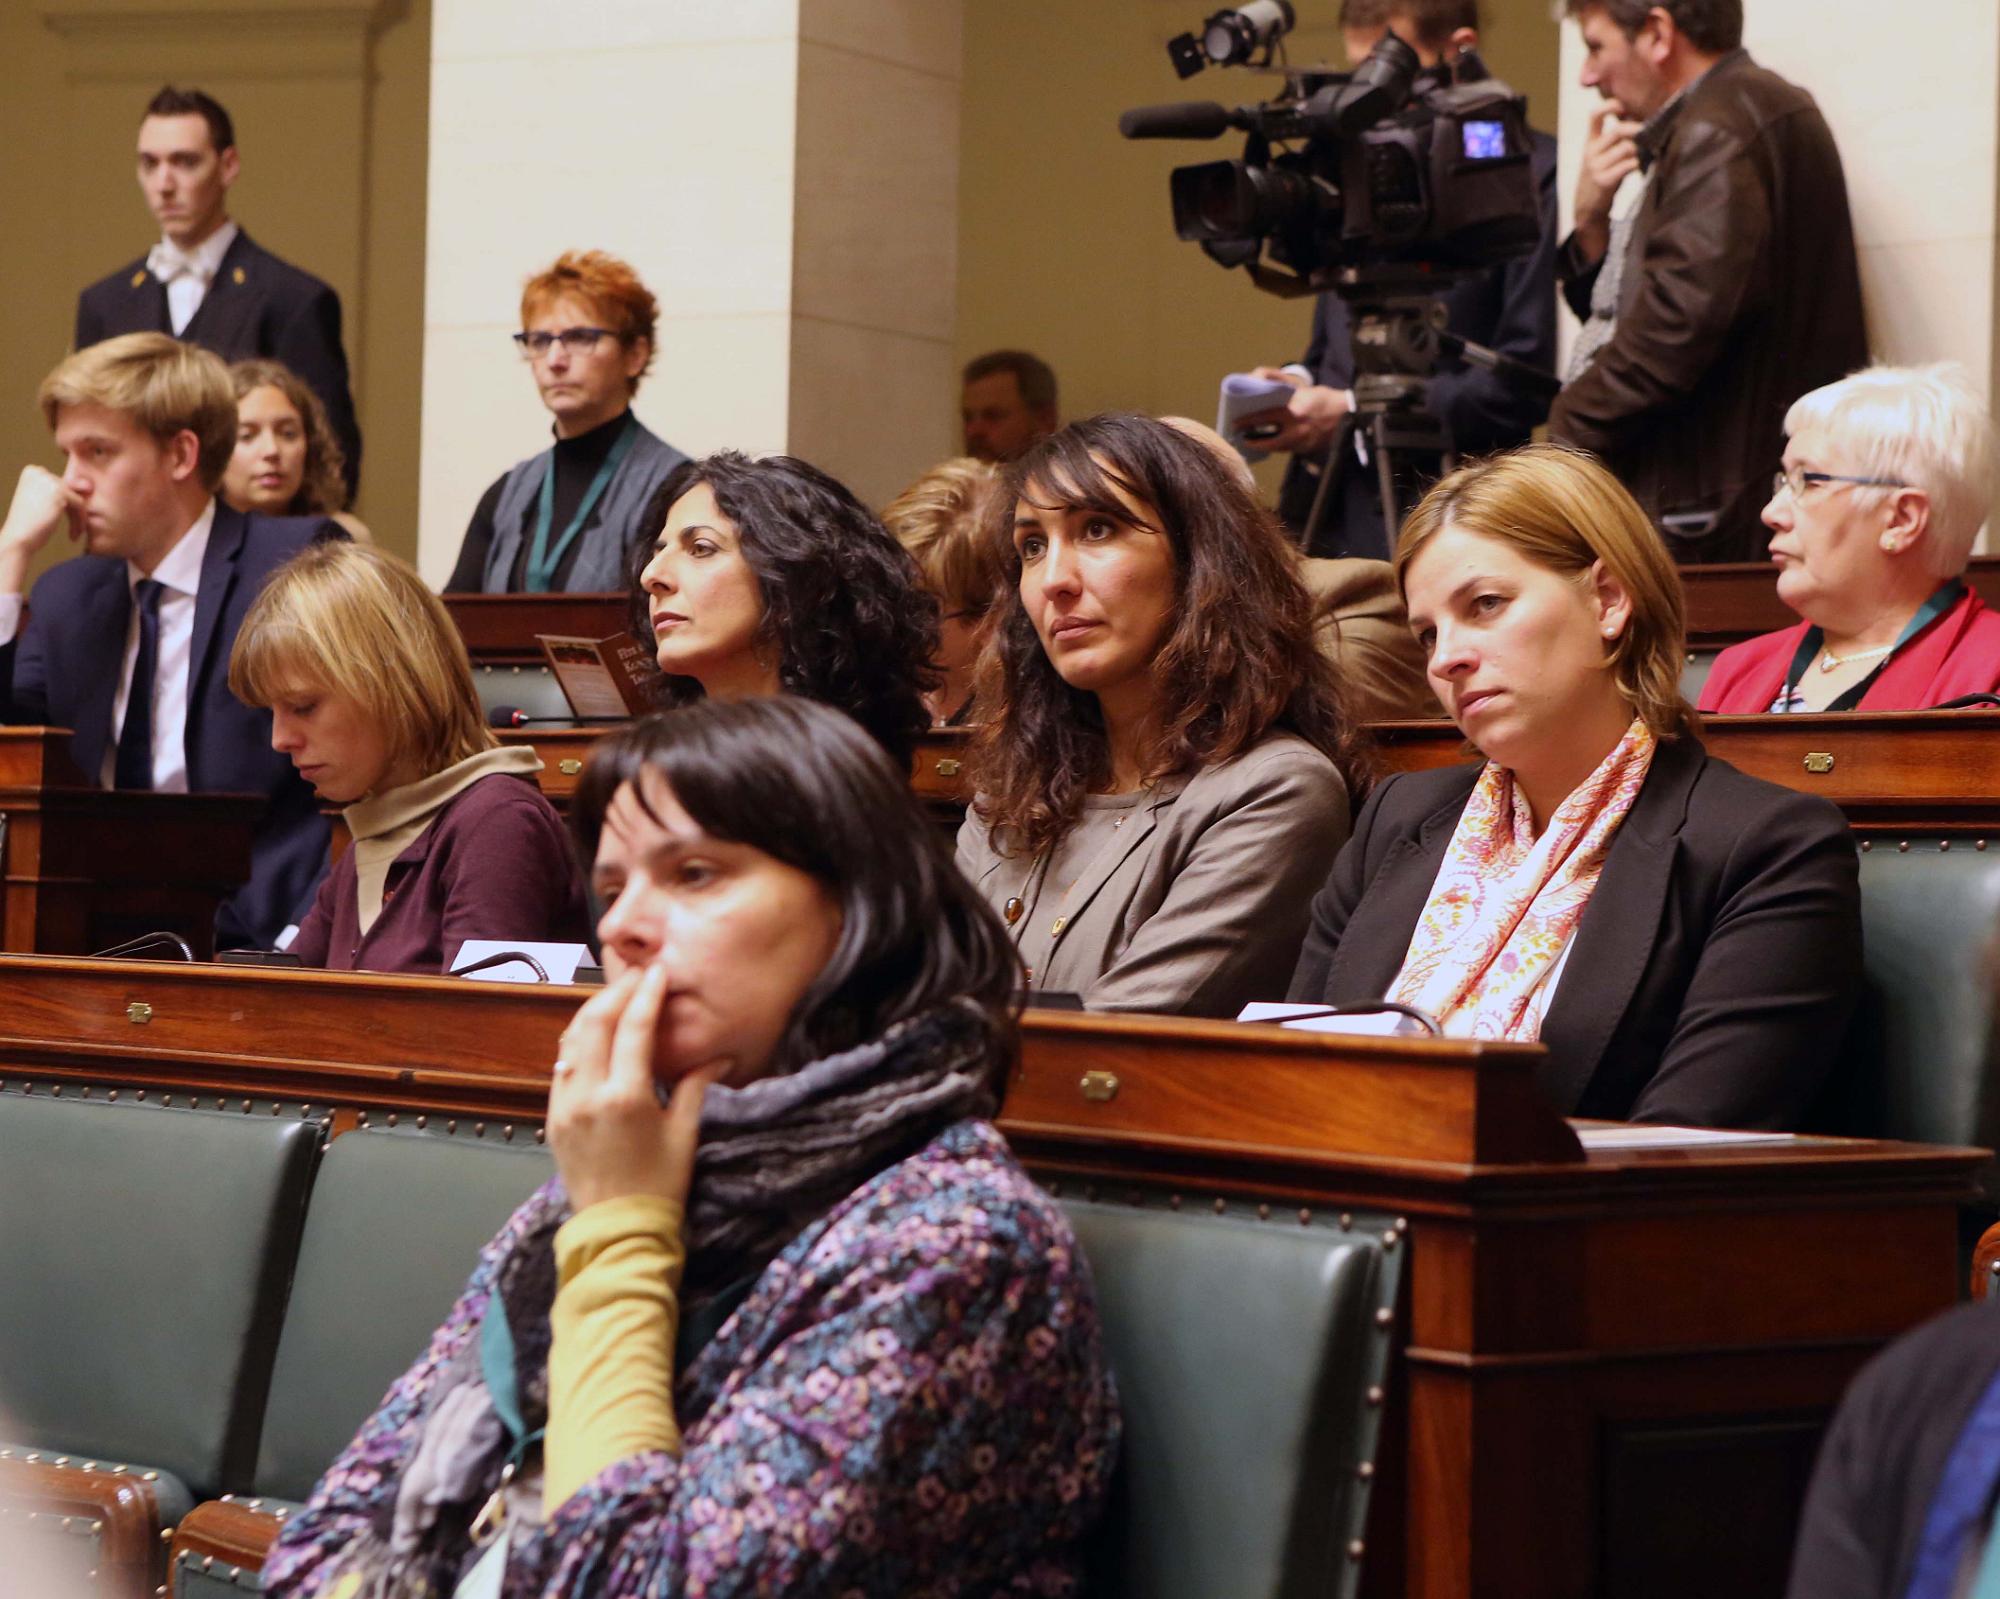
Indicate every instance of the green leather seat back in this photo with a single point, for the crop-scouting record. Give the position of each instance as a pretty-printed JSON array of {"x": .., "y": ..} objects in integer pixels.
[
  {"x": 1244, "y": 1351},
  {"x": 144, "y": 1254},
  {"x": 396, "y": 1226},
  {"x": 1928, "y": 918}
]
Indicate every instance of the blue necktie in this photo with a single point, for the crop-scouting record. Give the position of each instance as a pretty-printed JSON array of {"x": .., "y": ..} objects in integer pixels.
[{"x": 135, "y": 738}]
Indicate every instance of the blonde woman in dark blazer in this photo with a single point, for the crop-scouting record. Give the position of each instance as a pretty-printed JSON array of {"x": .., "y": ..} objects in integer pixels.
[
  {"x": 1168, "y": 765},
  {"x": 1683, "y": 940}
]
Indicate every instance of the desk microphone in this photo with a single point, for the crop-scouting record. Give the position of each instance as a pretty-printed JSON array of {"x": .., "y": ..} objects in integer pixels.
[{"x": 514, "y": 716}]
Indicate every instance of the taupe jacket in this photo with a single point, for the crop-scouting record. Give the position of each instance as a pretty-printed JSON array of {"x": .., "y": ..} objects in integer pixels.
[
  {"x": 1201, "y": 904},
  {"x": 1365, "y": 630}
]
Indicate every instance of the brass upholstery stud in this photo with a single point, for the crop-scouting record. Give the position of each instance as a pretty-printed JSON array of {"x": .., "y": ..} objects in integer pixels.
[
  {"x": 1943, "y": 845},
  {"x": 1384, "y": 1317},
  {"x": 452, "y": 1125},
  {"x": 1305, "y": 1217},
  {"x": 86, "y": 1090},
  {"x": 1222, "y": 1207},
  {"x": 1365, "y": 1471},
  {"x": 1979, "y": 843},
  {"x": 392, "y": 1118},
  {"x": 541, "y": 1136},
  {"x": 1174, "y": 1203},
  {"x": 1356, "y": 1549},
  {"x": 507, "y": 1132},
  {"x": 361, "y": 1120},
  {"x": 1903, "y": 848},
  {"x": 423, "y": 1122},
  {"x": 112, "y": 1096},
  {"x": 1375, "y": 1394},
  {"x": 1263, "y": 1212},
  {"x": 479, "y": 1130}
]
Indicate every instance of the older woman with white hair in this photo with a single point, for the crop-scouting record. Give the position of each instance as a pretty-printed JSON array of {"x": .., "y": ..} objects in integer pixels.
[{"x": 1887, "y": 479}]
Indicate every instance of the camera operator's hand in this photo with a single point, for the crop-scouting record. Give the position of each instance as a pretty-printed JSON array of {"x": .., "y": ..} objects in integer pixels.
[
  {"x": 1610, "y": 155},
  {"x": 1307, "y": 422}
]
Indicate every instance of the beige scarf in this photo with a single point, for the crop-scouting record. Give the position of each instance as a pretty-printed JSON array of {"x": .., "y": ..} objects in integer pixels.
[
  {"x": 1506, "y": 903},
  {"x": 386, "y": 824}
]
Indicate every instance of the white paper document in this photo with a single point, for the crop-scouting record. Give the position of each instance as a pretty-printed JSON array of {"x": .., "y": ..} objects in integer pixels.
[
  {"x": 1374, "y": 1024},
  {"x": 560, "y": 961},
  {"x": 1619, "y": 1135}
]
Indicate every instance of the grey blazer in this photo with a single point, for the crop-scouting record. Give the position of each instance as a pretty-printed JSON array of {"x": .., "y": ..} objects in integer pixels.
[{"x": 1202, "y": 903}]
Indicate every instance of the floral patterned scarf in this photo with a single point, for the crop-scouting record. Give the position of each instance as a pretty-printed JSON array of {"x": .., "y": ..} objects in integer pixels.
[{"x": 1506, "y": 903}]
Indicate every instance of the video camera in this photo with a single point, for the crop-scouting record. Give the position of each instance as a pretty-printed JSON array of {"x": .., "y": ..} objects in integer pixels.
[{"x": 1389, "y": 165}]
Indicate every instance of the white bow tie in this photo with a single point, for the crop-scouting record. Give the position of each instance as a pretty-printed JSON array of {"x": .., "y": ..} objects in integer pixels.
[{"x": 168, "y": 261}]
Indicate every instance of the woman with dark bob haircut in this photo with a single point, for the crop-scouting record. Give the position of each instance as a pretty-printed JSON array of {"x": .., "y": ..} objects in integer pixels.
[
  {"x": 1168, "y": 763},
  {"x": 790, "y": 1319},
  {"x": 769, "y": 577}
]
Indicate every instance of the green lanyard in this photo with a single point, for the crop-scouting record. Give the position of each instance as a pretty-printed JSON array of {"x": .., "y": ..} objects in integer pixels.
[
  {"x": 1943, "y": 599},
  {"x": 496, "y": 1365},
  {"x": 543, "y": 561}
]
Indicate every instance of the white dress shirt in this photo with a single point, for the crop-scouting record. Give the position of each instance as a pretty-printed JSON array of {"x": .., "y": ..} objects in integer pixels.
[
  {"x": 179, "y": 575},
  {"x": 188, "y": 273}
]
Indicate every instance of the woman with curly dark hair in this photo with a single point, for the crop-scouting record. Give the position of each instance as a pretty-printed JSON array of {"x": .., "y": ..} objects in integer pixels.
[
  {"x": 1168, "y": 762},
  {"x": 769, "y": 577},
  {"x": 288, "y": 460}
]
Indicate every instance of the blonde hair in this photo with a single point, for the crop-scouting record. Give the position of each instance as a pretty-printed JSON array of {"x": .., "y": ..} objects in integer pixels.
[
  {"x": 322, "y": 490},
  {"x": 1922, "y": 425},
  {"x": 351, "y": 620},
  {"x": 1562, "y": 510},
  {"x": 166, "y": 387},
  {"x": 937, "y": 519}
]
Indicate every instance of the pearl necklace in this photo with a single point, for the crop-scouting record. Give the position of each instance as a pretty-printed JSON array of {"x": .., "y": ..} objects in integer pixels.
[{"x": 1828, "y": 661}]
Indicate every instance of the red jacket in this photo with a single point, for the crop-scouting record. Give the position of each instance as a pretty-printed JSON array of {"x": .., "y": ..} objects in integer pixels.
[{"x": 1957, "y": 654}]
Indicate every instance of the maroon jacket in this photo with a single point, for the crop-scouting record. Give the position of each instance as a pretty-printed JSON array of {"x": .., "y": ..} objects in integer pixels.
[
  {"x": 494, "y": 863},
  {"x": 1957, "y": 654}
]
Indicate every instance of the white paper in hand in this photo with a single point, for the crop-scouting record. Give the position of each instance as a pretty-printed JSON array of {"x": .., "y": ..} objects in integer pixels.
[{"x": 1245, "y": 395}]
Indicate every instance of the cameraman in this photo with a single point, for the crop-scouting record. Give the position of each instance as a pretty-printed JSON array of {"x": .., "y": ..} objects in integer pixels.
[{"x": 1511, "y": 307}]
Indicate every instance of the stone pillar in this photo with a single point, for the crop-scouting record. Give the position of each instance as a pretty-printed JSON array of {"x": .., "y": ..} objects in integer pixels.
[{"x": 782, "y": 173}]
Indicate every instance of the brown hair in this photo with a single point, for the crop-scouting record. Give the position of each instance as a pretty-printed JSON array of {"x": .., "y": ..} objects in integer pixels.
[
  {"x": 353, "y": 620},
  {"x": 613, "y": 291},
  {"x": 173, "y": 102},
  {"x": 1433, "y": 21},
  {"x": 939, "y": 519},
  {"x": 1241, "y": 659},
  {"x": 1713, "y": 27},
  {"x": 166, "y": 387},
  {"x": 1562, "y": 510},
  {"x": 1033, "y": 376},
  {"x": 323, "y": 489}
]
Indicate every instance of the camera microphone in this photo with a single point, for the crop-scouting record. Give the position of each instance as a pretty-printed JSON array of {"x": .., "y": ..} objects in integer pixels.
[{"x": 1191, "y": 119}]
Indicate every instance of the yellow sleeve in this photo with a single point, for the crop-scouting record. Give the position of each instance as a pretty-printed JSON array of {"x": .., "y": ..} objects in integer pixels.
[{"x": 611, "y": 1349}]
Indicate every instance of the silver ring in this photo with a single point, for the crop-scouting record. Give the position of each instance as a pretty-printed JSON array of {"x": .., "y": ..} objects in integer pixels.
[{"x": 563, "y": 1068}]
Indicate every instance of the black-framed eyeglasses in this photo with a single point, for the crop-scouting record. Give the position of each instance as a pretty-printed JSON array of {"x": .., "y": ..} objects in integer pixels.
[
  {"x": 578, "y": 341},
  {"x": 1795, "y": 483}
]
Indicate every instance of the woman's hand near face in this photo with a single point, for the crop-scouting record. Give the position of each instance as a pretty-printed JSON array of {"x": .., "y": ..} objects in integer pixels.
[{"x": 610, "y": 1134}]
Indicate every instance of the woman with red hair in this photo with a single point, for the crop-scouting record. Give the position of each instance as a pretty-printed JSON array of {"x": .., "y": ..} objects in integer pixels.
[{"x": 566, "y": 520}]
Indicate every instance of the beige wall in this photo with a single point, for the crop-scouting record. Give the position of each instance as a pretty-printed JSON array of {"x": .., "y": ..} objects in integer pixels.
[
  {"x": 1066, "y": 244},
  {"x": 327, "y": 99},
  {"x": 1919, "y": 152}
]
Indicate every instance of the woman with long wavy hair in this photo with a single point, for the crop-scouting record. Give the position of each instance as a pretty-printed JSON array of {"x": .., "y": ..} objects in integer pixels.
[
  {"x": 1168, "y": 763},
  {"x": 759, "y": 577}
]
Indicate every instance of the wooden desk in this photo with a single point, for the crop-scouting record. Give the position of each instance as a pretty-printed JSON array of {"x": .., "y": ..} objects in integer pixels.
[
  {"x": 1894, "y": 771},
  {"x": 1616, "y": 1364},
  {"x": 1732, "y": 601},
  {"x": 937, "y": 774},
  {"x": 84, "y": 868},
  {"x": 500, "y": 629}
]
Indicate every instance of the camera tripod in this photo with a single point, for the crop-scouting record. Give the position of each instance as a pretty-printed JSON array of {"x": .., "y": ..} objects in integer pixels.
[{"x": 1398, "y": 334}]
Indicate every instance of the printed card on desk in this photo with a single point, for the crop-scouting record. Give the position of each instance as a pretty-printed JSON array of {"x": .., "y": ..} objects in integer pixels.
[
  {"x": 517, "y": 960},
  {"x": 602, "y": 678},
  {"x": 1313, "y": 1019}
]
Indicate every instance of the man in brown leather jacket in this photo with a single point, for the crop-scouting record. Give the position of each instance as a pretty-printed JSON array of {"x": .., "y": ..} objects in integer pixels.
[{"x": 1737, "y": 289}]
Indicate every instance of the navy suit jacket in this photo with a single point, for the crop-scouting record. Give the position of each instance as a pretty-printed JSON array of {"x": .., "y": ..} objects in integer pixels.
[
  {"x": 62, "y": 670},
  {"x": 1510, "y": 308},
  {"x": 258, "y": 305}
]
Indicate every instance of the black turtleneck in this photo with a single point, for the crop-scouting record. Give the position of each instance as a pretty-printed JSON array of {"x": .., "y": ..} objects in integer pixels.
[{"x": 577, "y": 461}]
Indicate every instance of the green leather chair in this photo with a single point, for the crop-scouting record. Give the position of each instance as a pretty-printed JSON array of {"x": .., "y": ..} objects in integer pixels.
[
  {"x": 146, "y": 1253},
  {"x": 1251, "y": 1354},
  {"x": 395, "y": 1226},
  {"x": 1918, "y": 1063}
]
